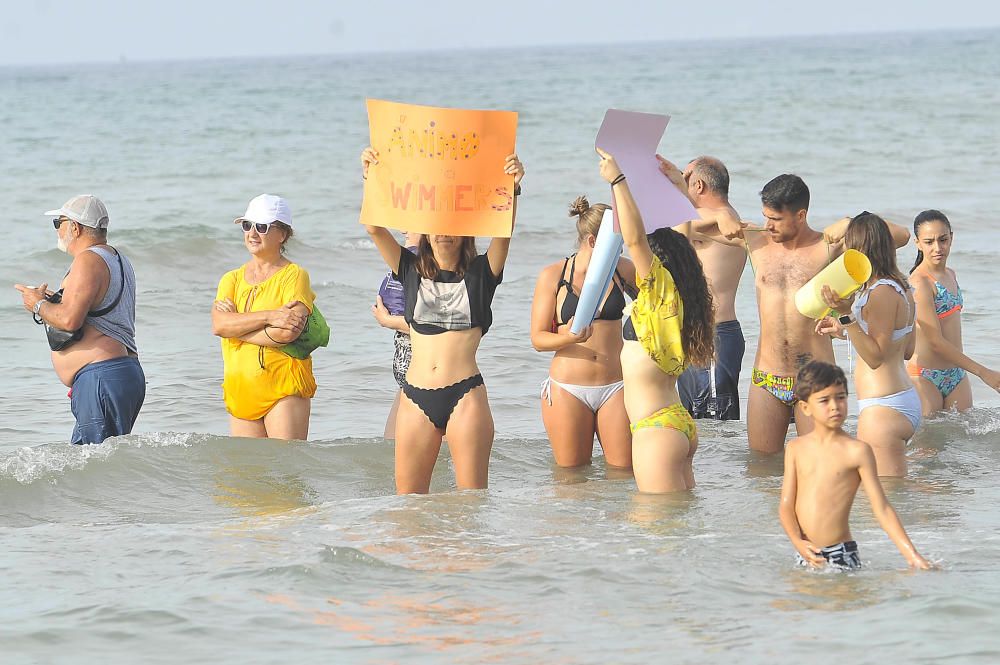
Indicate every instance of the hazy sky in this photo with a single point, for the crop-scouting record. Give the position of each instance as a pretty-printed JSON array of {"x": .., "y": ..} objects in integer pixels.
[{"x": 60, "y": 31}]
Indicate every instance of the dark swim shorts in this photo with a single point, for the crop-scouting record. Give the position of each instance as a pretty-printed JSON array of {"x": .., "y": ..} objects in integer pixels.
[
  {"x": 721, "y": 402},
  {"x": 106, "y": 398},
  {"x": 842, "y": 555}
]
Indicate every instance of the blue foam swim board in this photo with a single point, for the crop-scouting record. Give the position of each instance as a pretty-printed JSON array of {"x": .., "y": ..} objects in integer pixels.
[{"x": 603, "y": 262}]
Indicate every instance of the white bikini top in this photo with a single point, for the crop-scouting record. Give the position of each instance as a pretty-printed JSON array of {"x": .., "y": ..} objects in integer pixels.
[{"x": 862, "y": 300}]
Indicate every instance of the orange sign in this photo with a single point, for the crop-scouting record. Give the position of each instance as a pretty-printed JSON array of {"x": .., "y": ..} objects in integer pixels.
[{"x": 440, "y": 171}]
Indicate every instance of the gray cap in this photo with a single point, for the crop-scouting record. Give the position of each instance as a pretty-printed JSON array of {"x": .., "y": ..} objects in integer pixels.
[{"x": 85, "y": 209}]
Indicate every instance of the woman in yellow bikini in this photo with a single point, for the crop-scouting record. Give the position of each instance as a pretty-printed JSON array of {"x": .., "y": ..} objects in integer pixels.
[
  {"x": 261, "y": 306},
  {"x": 670, "y": 325}
]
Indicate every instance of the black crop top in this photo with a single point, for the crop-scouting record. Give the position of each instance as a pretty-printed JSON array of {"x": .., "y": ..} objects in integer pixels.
[
  {"x": 613, "y": 307},
  {"x": 448, "y": 302}
]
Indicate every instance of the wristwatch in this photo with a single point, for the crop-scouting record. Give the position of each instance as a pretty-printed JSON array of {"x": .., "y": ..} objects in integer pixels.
[
  {"x": 845, "y": 320},
  {"x": 517, "y": 189},
  {"x": 38, "y": 306}
]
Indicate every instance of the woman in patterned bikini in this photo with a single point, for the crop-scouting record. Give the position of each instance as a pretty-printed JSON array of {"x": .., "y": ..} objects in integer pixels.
[{"x": 939, "y": 366}]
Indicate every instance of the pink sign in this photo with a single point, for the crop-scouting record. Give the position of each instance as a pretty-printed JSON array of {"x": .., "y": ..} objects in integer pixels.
[{"x": 632, "y": 139}]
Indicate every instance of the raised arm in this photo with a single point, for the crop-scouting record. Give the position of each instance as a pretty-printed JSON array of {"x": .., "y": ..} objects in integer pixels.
[
  {"x": 884, "y": 512},
  {"x": 786, "y": 512},
  {"x": 496, "y": 253},
  {"x": 834, "y": 234},
  {"x": 725, "y": 230},
  {"x": 675, "y": 176},
  {"x": 900, "y": 234},
  {"x": 632, "y": 229},
  {"x": 929, "y": 328},
  {"x": 382, "y": 237}
]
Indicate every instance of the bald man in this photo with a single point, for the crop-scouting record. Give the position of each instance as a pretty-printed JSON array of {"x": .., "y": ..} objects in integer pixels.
[{"x": 711, "y": 392}]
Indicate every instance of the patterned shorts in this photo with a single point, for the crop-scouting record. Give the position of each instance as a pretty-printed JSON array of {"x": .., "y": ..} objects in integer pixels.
[
  {"x": 842, "y": 555},
  {"x": 400, "y": 356}
]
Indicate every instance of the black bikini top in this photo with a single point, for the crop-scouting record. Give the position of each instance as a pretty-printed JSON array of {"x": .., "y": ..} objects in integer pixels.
[{"x": 614, "y": 304}]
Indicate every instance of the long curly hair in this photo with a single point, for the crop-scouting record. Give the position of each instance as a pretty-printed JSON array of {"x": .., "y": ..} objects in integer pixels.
[{"x": 678, "y": 256}]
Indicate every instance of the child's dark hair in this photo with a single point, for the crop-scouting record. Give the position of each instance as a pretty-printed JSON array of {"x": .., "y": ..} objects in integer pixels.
[{"x": 817, "y": 375}]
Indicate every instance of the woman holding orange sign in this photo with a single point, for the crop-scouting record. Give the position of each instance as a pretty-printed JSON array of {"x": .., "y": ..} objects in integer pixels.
[{"x": 448, "y": 291}]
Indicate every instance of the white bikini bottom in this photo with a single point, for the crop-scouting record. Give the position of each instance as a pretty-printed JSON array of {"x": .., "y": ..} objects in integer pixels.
[
  {"x": 593, "y": 396},
  {"x": 906, "y": 402}
]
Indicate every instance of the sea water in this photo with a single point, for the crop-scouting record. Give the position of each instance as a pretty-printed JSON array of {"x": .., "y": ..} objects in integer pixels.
[{"x": 180, "y": 544}]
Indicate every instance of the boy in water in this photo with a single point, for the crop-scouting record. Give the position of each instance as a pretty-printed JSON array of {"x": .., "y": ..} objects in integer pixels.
[{"x": 823, "y": 470}]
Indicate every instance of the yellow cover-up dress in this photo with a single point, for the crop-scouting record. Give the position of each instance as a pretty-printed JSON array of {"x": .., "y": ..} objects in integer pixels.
[{"x": 255, "y": 377}]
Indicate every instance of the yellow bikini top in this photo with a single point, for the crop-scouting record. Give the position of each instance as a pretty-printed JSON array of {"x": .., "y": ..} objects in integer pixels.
[{"x": 656, "y": 319}]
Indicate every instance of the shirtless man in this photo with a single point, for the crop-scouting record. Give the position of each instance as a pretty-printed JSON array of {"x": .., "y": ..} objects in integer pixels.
[
  {"x": 785, "y": 254},
  {"x": 91, "y": 328},
  {"x": 823, "y": 471},
  {"x": 712, "y": 392}
]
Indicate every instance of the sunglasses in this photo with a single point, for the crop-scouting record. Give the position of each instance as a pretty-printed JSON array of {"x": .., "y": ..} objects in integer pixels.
[
  {"x": 59, "y": 221},
  {"x": 262, "y": 229}
]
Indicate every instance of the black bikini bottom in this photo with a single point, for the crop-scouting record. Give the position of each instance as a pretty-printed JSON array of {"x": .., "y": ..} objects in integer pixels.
[{"x": 438, "y": 403}]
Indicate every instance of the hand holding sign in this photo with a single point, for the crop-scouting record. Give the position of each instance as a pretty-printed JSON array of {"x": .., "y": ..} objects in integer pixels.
[
  {"x": 440, "y": 171},
  {"x": 633, "y": 138},
  {"x": 368, "y": 159},
  {"x": 609, "y": 166}
]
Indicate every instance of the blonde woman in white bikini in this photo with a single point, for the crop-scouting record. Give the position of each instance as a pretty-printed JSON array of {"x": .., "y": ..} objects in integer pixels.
[{"x": 582, "y": 397}]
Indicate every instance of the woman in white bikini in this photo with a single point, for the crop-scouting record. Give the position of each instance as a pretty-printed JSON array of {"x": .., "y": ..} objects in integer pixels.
[
  {"x": 879, "y": 324},
  {"x": 582, "y": 396}
]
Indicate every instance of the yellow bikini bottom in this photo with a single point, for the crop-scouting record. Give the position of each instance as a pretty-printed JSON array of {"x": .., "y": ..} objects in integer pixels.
[{"x": 674, "y": 416}]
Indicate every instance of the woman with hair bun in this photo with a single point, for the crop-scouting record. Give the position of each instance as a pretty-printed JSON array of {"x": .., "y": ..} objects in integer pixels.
[{"x": 582, "y": 396}]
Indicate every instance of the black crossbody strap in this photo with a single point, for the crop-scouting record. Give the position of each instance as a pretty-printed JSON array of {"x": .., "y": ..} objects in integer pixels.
[{"x": 105, "y": 310}]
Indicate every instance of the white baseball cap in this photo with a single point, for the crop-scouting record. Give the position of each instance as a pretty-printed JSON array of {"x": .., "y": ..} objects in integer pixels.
[
  {"x": 84, "y": 209},
  {"x": 265, "y": 209}
]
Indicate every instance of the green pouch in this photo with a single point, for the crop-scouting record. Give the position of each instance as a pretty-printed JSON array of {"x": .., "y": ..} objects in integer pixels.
[{"x": 314, "y": 335}]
